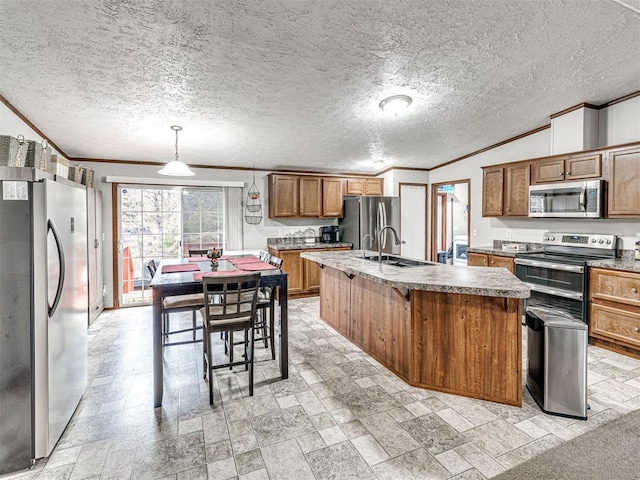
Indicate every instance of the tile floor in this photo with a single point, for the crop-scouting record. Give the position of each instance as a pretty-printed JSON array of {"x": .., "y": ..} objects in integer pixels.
[{"x": 339, "y": 415}]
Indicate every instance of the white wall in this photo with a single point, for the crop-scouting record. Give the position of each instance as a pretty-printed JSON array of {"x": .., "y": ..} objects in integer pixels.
[
  {"x": 393, "y": 179},
  {"x": 621, "y": 124}
]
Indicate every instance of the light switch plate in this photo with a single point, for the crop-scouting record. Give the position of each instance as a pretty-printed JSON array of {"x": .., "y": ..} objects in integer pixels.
[{"x": 475, "y": 232}]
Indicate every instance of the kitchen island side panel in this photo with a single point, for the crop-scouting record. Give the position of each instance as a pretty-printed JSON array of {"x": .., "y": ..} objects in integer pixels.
[{"x": 468, "y": 345}]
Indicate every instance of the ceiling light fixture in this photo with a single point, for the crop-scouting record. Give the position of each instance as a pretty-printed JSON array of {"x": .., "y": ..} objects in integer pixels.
[
  {"x": 176, "y": 168},
  {"x": 395, "y": 104}
]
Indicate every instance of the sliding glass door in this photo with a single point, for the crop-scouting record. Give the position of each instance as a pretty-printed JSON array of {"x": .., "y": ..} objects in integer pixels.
[{"x": 160, "y": 223}]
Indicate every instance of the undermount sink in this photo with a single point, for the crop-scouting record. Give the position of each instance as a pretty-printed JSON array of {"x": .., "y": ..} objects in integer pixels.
[{"x": 400, "y": 262}]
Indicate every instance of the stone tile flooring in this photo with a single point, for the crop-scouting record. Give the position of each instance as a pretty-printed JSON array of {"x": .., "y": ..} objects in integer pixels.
[{"x": 339, "y": 415}]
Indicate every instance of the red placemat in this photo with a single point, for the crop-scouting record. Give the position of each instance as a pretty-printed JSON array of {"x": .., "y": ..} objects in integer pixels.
[
  {"x": 198, "y": 259},
  {"x": 242, "y": 260},
  {"x": 180, "y": 267},
  {"x": 256, "y": 266},
  {"x": 222, "y": 273}
]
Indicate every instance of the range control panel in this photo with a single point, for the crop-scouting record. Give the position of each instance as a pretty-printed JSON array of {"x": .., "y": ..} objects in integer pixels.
[{"x": 580, "y": 240}]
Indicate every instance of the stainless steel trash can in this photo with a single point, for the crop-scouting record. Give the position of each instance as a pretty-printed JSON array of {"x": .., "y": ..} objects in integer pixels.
[{"x": 557, "y": 362}]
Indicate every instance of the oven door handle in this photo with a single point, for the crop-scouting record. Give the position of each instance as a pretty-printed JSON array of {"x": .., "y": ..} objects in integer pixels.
[
  {"x": 554, "y": 291},
  {"x": 551, "y": 266}
]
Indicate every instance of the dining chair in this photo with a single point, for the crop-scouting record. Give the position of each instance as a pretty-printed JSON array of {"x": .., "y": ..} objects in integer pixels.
[
  {"x": 198, "y": 252},
  {"x": 266, "y": 302},
  {"x": 264, "y": 256},
  {"x": 177, "y": 303},
  {"x": 229, "y": 305}
]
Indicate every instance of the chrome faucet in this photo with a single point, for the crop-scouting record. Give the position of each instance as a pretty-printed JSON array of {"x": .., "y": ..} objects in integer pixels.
[
  {"x": 380, "y": 233},
  {"x": 370, "y": 237}
]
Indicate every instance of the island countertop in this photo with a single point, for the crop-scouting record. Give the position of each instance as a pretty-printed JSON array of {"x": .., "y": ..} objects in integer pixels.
[{"x": 436, "y": 277}]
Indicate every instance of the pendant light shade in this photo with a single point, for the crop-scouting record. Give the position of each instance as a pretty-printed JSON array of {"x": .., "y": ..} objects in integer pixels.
[{"x": 176, "y": 168}]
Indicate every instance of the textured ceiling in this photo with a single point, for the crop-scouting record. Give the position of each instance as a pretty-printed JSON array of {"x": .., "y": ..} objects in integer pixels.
[{"x": 296, "y": 84}]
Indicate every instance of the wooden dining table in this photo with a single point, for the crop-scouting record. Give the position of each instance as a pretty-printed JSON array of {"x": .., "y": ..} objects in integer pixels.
[{"x": 181, "y": 283}]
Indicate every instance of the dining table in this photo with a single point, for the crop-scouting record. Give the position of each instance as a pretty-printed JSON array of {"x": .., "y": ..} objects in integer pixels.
[{"x": 183, "y": 276}]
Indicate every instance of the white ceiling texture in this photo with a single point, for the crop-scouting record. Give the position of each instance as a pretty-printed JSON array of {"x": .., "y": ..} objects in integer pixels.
[{"x": 296, "y": 83}]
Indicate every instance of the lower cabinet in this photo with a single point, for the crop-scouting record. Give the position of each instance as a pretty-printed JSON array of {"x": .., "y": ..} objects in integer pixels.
[
  {"x": 304, "y": 275},
  {"x": 614, "y": 310},
  {"x": 486, "y": 260}
]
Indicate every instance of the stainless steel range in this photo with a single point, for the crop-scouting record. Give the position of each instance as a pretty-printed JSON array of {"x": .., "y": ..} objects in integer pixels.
[
  {"x": 558, "y": 277},
  {"x": 556, "y": 318}
]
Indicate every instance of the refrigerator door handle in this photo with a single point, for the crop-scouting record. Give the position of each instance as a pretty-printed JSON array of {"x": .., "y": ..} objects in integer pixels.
[
  {"x": 383, "y": 211},
  {"x": 51, "y": 226}
]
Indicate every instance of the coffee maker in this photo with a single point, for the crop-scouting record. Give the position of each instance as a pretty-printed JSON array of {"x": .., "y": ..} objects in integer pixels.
[{"x": 329, "y": 234}]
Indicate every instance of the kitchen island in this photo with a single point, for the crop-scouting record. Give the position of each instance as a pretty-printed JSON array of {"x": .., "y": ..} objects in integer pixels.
[{"x": 449, "y": 328}]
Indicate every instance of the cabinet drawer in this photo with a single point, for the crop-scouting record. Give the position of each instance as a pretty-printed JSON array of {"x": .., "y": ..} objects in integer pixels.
[
  {"x": 615, "y": 286},
  {"x": 616, "y": 324}
]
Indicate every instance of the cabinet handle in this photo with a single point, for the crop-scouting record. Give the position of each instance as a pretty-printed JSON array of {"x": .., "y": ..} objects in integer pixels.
[
  {"x": 560, "y": 174},
  {"x": 635, "y": 329},
  {"x": 499, "y": 209},
  {"x": 634, "y": 290},
  {"x": 508, "y": 209},
  {"x": 568, "y": 173}
]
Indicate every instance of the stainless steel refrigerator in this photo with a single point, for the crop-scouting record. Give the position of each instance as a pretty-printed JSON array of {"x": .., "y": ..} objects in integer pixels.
[
  {"x": 43, "y": 313},
  {"x": 367, "y": 215}
]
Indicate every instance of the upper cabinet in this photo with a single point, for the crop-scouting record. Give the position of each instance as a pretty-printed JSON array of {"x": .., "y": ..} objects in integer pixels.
[
  {"x": 283, "y": 196},
  {"x": 573, "y": 167},
  {"x": 364, "y": 186},
  {"x": 623, "y": 173},
  {"x": 305, "y": 196},
  {"x": 505, "y": 190}
]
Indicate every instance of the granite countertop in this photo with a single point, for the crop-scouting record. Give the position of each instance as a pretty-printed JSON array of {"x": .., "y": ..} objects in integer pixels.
[
  {"x": 304, "y": 246},
  {"x": 499, "y": 251},
  {"x": 436, "y": 277},
  {"x": 616, "y": 264}
]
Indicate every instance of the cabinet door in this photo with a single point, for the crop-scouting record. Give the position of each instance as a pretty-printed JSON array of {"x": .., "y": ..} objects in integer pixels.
[
  {"x": 477, "y": 259},
  {"x": 373, "y": 186},
  {"x": 332, "y": 205},
  {"x": 545, "y": 171},
  {"x": 355, "y": 186},
  {"x": 312, "y": 274},
  {"x": 624, "y": 178},
  {"x": 502, "y": 261},
  {"x": 492, "y": 184},
  {"x": 283, "y": 196},
  {"x": 310, "y": 196},
  {"x": 516, "y": 190},
  {"x": 583, "y": 166},
  {"x": 292, "y": 264}
]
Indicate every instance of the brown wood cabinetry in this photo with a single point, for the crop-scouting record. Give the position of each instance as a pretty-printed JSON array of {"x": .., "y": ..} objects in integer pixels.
[
  {"x": 623, "y": 173},
  {"x": 310, "y": 196},
  {"x": 492, "y": 186},
  {"x": 364, "y": 186},
  {"x": 304, "y": 275},
  {"x": 614, "y": 310},
  {"x": 517, "y": 179},
  {"x": 486, "y": 260},
  {"x": 283, "y": 196},
  {"x": 574, "y": 167},
  {"x": 461, "y": 344},
  {"x": 505, "y": 190},
  {"x": 332, "y": 204}
]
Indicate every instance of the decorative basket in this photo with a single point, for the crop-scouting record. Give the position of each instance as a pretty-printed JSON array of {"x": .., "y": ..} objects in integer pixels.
[
  {"x": 87, "y": 177},
  {"x": 38, "y": 155},
  {"x": 13, "y": 151},
  {"x": 75, "y": 173},
  {"x": 59, "y": 166}
]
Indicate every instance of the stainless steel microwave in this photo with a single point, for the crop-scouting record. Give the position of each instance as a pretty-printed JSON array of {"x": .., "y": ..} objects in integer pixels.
[{"x": 566, "y": 200}]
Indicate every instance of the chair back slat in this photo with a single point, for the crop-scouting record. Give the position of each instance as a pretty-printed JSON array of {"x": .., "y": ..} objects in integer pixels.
[
  {"x": 230, "y": 298},
  {"x": 275, "y": 261}
]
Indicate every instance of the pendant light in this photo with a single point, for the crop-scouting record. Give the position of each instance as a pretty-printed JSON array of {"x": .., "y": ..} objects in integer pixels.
[{"x": 176, "y": 168}]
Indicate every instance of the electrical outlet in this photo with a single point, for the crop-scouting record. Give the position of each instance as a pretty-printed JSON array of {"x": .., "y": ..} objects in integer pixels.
[
  {"x": 508, "y": 233},
  {"x": 279, "y": 232},
  {"x": 475, "y": 232}
]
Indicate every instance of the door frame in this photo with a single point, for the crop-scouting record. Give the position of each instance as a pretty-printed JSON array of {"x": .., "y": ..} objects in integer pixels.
[
  {"x": 434, "y": 195},
  {"x": 426, "y": 210}
]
